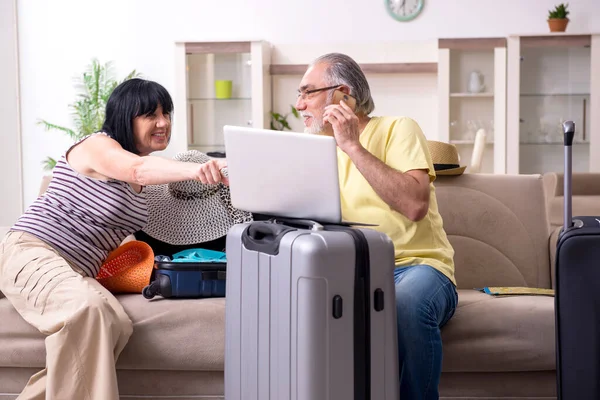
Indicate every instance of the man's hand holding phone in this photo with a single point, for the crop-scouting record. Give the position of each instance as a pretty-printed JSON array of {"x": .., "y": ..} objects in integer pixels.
[{"x": 340, "y": 114}]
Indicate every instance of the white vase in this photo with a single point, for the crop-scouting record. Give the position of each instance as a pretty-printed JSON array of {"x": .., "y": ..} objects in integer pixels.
[{"x": 476, "y": 84}]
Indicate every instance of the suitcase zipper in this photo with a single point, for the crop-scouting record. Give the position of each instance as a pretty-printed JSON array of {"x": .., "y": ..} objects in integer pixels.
[{"x": 362, "y": 314}]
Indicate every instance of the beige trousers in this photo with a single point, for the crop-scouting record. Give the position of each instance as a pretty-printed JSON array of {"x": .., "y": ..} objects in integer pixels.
[{"x": 86, "y": 327}]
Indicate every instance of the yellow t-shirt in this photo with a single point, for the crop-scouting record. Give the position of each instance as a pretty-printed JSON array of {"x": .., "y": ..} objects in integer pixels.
[{"x": 400, "y": 143}]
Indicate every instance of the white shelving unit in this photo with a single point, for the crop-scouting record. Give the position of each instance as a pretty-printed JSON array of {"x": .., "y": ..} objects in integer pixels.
[
  {"x": 550, "y": 80},
  {"x": 246, "y": 64},
  {"x": 532, "y": 83},
  {"x": 463, "y": 113}
]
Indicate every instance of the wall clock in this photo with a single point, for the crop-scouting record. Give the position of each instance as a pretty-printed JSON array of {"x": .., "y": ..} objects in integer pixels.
[{"x": 404, "y": 10}]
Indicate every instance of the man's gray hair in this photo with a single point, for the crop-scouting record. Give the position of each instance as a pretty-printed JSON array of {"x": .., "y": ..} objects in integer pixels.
[{"x": 343, "y": 70}]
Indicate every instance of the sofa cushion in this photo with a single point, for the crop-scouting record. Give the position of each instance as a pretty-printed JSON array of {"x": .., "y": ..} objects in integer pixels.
[
  {"x": 500, "y": 334},
  {"x": 175, "y": 334},
  {"x": 168, "y": 334},
  {"x": 498, "y": 227},
  {"x": 21, "y": 345}
]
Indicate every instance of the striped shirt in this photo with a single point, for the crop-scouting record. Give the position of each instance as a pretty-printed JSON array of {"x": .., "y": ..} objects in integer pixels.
[{"x": 84, "y": 218}]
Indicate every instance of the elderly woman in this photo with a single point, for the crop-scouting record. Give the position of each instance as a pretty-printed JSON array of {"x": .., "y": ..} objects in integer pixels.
[{"x": 49, "y": 259}]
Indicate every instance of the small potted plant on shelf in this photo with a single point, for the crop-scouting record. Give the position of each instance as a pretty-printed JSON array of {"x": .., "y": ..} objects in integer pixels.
[{"x": 557, "y": 18}]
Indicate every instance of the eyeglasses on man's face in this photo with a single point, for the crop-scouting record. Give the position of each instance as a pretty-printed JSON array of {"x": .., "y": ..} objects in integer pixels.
[{"x": 307, "y": 94}]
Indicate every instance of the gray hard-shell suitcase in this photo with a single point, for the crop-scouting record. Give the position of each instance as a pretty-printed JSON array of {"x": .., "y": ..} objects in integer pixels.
[
  {"x": 577, "y": 300},
  {"x": 310, "y": 313}
]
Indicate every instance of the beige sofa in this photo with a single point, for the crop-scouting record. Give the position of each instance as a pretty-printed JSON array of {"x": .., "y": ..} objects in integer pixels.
[
  {"x": 494, "y": 348},
  {"x": 585, "y": 194}
]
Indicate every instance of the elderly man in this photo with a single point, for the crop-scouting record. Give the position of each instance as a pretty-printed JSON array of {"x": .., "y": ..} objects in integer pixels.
[{"x": 386, "y": 178}]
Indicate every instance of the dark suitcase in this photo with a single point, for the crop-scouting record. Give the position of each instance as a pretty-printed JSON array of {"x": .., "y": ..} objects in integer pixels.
[
  {"x": 310, "y": 313},
  {"x": 186, "y": 279},
  {"x": 577, "y": 301}
]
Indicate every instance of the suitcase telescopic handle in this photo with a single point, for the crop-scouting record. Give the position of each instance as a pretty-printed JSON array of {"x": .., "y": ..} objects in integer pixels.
[
  {"x": 569, "y": 131},
  {"x": 264, "y": 237},
  {"x": 265, "y": 232}
]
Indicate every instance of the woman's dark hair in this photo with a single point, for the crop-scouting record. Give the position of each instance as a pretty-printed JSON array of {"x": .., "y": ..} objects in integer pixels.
[{"x": 129, "y": 100}]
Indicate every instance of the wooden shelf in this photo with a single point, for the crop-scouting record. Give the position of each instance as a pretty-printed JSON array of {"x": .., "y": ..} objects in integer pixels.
[
  {"x": 465, "y": 95},
  {"x": 375, "y": 68},
  {"x": 287, "y": 69},
  {"x": 216, "y": 47},
  {"x": 472, "y": 43},
  {"x": 555, "y": 40}
]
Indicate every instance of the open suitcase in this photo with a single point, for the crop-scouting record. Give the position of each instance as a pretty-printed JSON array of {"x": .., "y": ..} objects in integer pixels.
[
  {"x": 310, "y": 313},
  {"x": 187, "y": 278},
  {"x": 577, "y": 301}
]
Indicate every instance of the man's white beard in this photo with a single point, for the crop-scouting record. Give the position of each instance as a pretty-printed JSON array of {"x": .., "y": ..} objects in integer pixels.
[{"x": 315, "y": 128}]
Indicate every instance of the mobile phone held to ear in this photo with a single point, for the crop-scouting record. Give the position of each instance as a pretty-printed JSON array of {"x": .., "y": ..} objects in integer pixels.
[{"x": 338, "y": 96}]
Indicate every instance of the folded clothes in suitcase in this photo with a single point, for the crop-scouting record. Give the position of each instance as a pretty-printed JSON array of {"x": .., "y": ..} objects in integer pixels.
[
  {"x": 191, "y": 273},
  {"x": 577, "y": 301},
  {"x": 310, "y": 313}
]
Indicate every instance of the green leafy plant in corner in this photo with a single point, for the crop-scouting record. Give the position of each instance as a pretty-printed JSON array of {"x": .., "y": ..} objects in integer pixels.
[
  {"x": 560, "y": 12},
  {"x": 279, "y": 121},
  {"x": 88, "y": 110}
]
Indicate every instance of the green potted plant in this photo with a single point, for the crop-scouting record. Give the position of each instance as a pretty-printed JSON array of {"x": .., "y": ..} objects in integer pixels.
[
  {"x": 279, "y": 121},
  {"x": 88, "y": 110},
  {"x": 557, "y": 18}
]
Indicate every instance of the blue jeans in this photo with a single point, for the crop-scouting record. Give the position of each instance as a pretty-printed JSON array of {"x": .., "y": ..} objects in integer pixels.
[{"x": 425, "y": 301}]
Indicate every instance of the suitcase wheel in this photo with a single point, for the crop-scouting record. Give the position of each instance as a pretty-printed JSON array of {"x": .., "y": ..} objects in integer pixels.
[
  {"x": 161, "y": 285},
  {"x": 149, "y": 292}
]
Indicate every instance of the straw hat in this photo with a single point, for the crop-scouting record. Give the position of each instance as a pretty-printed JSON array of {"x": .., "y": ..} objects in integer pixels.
[
  {"x": 191, "y": 212},
  {"x": 128, "y": 268},
  {"x": 445, "y": 158}
]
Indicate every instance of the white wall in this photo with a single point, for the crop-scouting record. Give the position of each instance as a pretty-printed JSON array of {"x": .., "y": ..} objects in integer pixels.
[
  {"x": 10, "y": 150},
  {"x": 59, "y": 37}
]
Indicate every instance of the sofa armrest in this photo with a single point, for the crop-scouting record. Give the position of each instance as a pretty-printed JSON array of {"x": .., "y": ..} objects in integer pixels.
[
  {"x": 552, "y": 247},
  {"x": 583, "y": 184},
  {"x": 550, "y": 183}
]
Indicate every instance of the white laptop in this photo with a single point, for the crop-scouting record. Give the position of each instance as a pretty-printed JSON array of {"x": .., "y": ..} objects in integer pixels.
[{"x": 282, "y": 173}]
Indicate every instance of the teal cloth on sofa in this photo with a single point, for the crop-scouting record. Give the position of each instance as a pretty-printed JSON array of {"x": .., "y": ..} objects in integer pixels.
[{"x": 200, "y": 255}]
